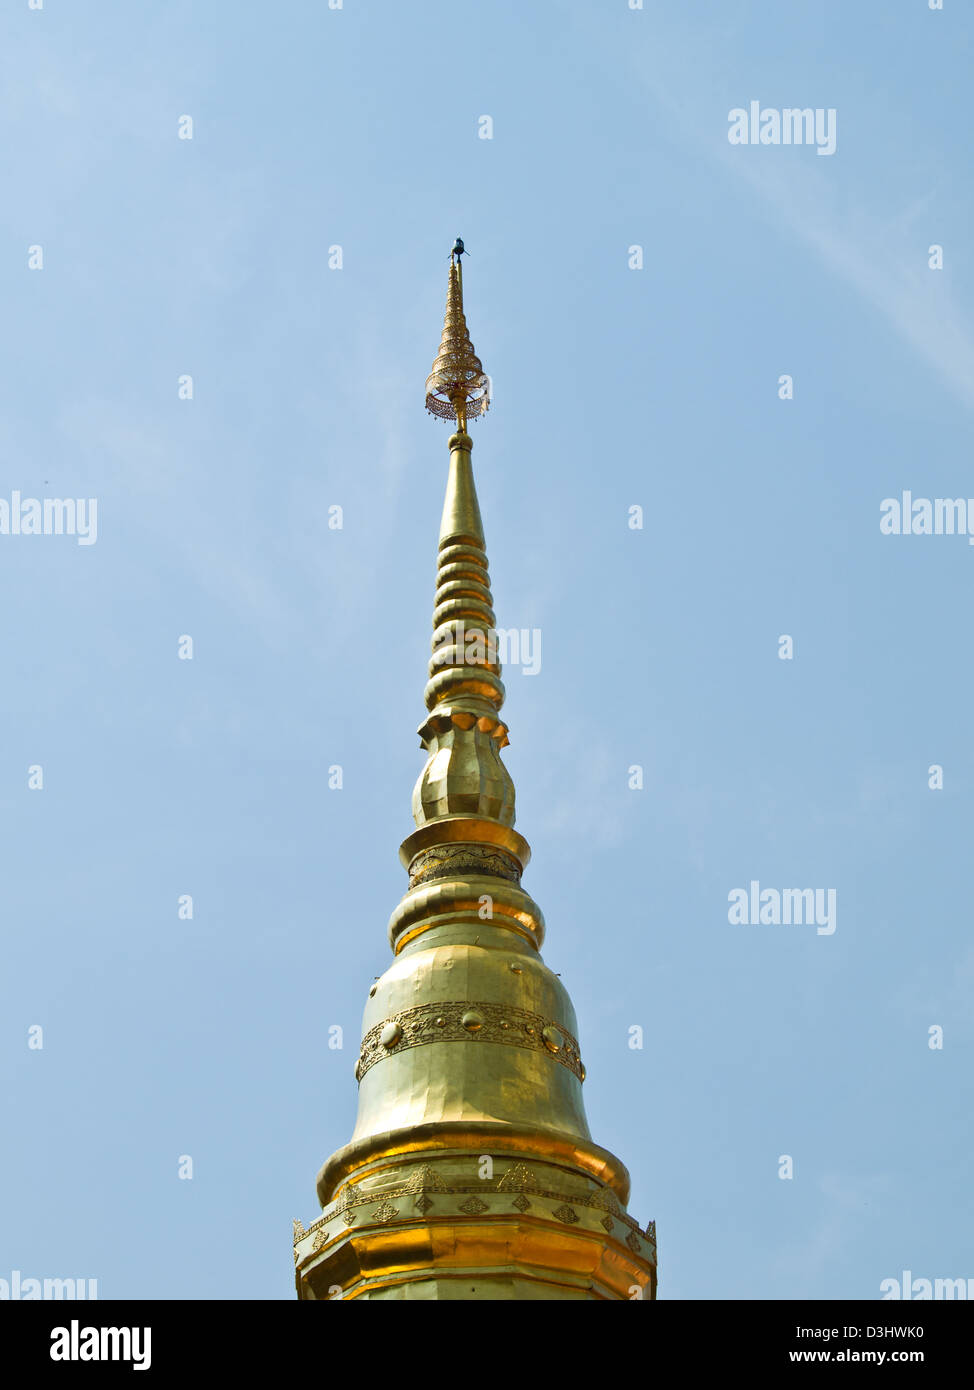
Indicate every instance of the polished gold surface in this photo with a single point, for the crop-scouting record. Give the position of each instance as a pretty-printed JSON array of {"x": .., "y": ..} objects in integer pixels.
[{"x": 471, "y": 1173}]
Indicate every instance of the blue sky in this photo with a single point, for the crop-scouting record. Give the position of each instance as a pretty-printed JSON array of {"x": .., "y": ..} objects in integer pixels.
[{"x": 613, "y": 387}]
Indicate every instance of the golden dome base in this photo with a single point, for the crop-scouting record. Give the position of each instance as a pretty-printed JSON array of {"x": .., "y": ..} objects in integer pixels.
[{"x": 475, "y": 1227}]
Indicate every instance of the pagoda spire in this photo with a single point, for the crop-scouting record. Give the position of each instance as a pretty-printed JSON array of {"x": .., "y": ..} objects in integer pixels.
[{"x": 471, "y": 1173}]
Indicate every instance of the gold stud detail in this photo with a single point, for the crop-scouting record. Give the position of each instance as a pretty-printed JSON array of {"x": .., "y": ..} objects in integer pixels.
[{"x": 390, "y": 1034}]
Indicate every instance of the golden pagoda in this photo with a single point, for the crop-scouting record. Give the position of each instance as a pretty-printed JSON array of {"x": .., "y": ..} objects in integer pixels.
[{"x": 471, "y": 1173}]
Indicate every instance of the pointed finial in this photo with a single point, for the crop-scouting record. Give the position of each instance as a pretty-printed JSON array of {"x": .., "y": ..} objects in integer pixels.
[{"x": 457, "y": 387}]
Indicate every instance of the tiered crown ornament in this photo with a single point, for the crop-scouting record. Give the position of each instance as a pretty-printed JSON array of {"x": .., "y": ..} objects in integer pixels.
[
  {"x": 471, "y": 1173},
  {"x": 456, "y": 388}
]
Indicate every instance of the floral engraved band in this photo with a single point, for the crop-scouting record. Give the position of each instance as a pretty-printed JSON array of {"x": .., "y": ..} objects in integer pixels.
[
  {"x": 459, "y": 1021},
  {"x": 445, "y": 861}
]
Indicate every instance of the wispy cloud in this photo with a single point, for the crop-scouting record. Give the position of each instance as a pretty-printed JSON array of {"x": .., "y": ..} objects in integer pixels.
[
  {"x": 862, "y": 249},
  {"x": 875, "y": 252}
]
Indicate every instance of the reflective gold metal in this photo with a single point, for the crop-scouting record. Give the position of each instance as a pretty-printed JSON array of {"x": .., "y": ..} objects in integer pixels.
[
  {"x": 471, "y": 1173},
  {"x": 457, "y": 387}
]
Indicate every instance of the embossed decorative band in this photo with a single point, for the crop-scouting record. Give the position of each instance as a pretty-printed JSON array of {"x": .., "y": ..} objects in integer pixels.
[
  {"x": 462, "y": 1021},
  {"x": 445, "y": 861},
  {"x": 426, "y": 1190}
]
